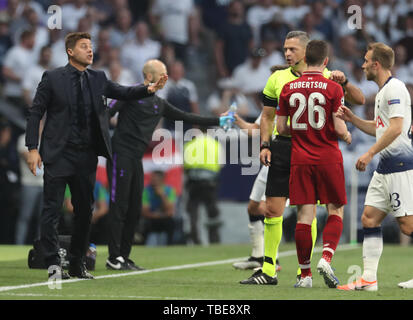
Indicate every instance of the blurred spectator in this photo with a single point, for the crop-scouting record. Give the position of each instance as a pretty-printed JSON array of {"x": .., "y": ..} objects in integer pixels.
[
  {"x": 34, "y": 74},
  {"x": 167, "y": 54},
  {"x": 31, "y": 196},
  {"x": 234, "y": 41},
  {"x": 378, "y": 11},
  {"x": 158, "y": 209},
  {"x": 213, "y": 12},
  {"x": 72, "y": 12},
  {"x": 33, "y": 5},
  {"x": 400, "y": 68},
  {"x": 120, "y": 75},
  {"x": 322, "y": 17},
  {"x": 178, "y": 24},
  {"x": 101, "y": 48},
  {"x": 180, "y": 92},
  {"x": 220, "y": 100},
  {"x": 122, "y": 32},
  {"x": 134, "y": 54},
  {"x": 249, "y": 78},
  {"x": 57, "y": 44},
  {"x": 260, "y": 13},
  {"x": 16, "y": 63},
  {"x": 202, "y": 167},
  {"x": 347, "y": 53},
  {"x": 308, "y": 24},
  {"x": 275, "y": 31},
  {"x": 140, "y": 9},
  {"x": 295, "y": 12},
  {"x": 407, "y": 40},
  {"x": 88, "y": 24},
  {"x": 9, "y": 183},
  {"x": 5, "y": 40},
  {"x": 368, "y": 88},
  {"x": 31, "y": 22},
  {"x": 11, "y": 10},
  {"x": 273, "y": 54}
]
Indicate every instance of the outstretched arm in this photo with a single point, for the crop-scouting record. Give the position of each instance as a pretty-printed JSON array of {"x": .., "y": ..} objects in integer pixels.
[
  {"x": 116, "y": 91},
  {"x": 173, "y": 113},
  {"x": 367, "y": 126}
]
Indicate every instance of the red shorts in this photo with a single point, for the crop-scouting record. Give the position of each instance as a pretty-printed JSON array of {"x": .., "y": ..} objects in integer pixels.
[{"x": 309, "y": 183}]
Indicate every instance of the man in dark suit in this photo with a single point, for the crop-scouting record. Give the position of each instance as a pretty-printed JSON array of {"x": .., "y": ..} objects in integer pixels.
[{"x": 75, "y": 133}]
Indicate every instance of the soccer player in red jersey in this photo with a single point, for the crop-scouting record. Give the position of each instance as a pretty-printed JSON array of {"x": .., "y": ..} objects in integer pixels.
[{"x": 317, "y": 171}]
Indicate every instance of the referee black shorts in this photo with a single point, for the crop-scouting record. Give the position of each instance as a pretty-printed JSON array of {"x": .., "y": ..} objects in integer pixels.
[{"x": 279, "y": 172}]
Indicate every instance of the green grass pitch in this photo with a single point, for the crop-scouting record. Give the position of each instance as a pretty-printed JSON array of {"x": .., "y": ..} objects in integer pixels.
[{"x": 203, "y": 272}]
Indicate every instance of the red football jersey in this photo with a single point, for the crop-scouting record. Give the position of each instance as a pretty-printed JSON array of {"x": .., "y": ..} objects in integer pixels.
[{"x": 310, "y": 102}]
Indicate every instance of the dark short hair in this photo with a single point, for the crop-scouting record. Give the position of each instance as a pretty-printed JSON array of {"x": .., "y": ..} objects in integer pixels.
[
  {"x": 316, "y": 52},
  {"x": 300, "y": 35},
  {"x": 27, "y": 33},
  {"x": 72, "y": 38}
]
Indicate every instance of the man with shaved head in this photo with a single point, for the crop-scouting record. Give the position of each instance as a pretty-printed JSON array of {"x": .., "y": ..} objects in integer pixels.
[{"x": 136, "y": 123}]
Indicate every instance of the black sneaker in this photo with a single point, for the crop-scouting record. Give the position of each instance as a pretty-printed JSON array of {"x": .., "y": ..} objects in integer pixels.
[
  {"x": 260, "y": 277},
  {"x": 132, "y": 266},
  {"x": 79, "y": 270},
  {"x": 117, "y": 264}
]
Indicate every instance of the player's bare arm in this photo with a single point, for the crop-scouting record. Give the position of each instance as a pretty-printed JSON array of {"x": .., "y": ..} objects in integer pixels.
[
  {"x": 392, "y": 132},
  {"x": 267, "y": 120},
  {"x": 282, "y": 125},
  {"x": 341, "y": 129},
  {"x": 367, "y": 126},
  {"x": 352, "y": 94}
]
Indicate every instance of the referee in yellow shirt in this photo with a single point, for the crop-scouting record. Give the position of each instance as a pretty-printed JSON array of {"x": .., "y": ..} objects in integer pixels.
[{"x": 276, "y": 152}]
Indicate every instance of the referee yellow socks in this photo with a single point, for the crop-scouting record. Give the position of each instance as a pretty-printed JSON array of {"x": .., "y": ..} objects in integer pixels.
[{"x": 273, "y": 229}]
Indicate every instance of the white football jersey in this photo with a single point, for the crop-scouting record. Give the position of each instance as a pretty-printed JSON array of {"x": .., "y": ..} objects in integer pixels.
[{"x": 393, "y": 100}]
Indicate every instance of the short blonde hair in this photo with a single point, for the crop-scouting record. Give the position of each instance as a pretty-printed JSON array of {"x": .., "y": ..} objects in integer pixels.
[{"x": 382, "y": 53}]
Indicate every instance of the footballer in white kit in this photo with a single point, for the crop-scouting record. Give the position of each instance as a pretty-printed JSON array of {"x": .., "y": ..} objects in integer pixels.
[{"x": 391, "y": 187}]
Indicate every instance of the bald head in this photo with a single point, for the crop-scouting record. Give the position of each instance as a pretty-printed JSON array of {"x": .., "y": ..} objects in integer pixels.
[{"x": 153, "y": 70}]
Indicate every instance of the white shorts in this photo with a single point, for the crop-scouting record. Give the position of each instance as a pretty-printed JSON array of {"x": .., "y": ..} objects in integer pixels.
[
  {"x": 258, "y": 189},
  {"x": 391, "y": 193}
]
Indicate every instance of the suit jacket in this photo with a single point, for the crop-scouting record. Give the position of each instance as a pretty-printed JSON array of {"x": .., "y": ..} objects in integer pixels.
[{"x": 53, "y": 96}]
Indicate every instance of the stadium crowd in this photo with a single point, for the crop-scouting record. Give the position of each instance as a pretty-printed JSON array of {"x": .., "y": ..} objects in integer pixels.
[{"x": 215, "y": 51}]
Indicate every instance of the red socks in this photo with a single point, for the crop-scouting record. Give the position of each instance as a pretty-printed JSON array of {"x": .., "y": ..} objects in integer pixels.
[
  {"x": 331, "y": 236},
  {"x": 304, "y": 244}
]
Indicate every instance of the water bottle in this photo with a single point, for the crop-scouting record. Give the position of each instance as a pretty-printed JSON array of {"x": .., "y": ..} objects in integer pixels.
[
  {"x": 231, "y": 112},
  {"x": 91, "y": 257}
]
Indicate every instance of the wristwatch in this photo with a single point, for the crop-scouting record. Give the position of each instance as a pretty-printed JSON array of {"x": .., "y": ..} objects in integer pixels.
[{"x": 265, "y": 145}]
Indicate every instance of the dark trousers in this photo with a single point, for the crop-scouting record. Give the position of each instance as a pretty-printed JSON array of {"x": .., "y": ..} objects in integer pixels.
[
  {"x": 126, "y": 187},
  {"x": 203, "y": 192},
  {"x": 77, "y": 168},
  {"x": 165, "y": 224}
]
